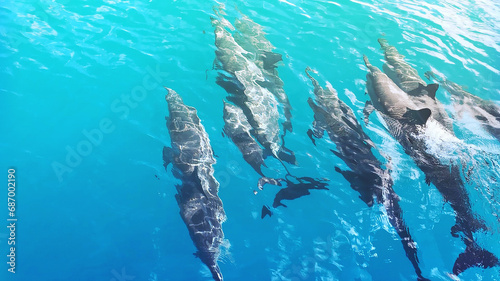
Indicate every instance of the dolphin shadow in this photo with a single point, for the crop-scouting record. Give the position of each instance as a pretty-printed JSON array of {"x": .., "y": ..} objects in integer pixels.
[{"x": 297, "y": 187}]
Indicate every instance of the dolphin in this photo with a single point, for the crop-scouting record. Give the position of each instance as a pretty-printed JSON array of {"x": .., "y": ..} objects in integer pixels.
[
  {"x": 407, "y": 78},
  {"x": 407, "y": 125},
  {"x": 237, "y": 128},
  {"x": 484, "y": 111},
  {"x": 192, "y": 158},
  {"x": 241, "y": 79},
  {"x": 251, "y": 37},
  {"x": 354, "y": 147}
]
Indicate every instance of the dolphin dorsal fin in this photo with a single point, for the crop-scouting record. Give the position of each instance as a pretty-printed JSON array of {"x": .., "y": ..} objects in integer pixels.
[
  {"x": 417, "y": 117},
  {"x": 431, "y": 90}
]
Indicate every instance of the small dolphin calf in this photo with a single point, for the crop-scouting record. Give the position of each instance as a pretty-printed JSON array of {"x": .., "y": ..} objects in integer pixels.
[
  {"x": 192, "y": 158},
  {"x": 408, "y": 125},
  {"x": 354, "y": 147},
  {"x": 407, "y": 78}
]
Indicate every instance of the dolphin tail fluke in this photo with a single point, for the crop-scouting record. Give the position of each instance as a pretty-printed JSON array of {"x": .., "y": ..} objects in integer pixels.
[{"x": 474, "y": 256}]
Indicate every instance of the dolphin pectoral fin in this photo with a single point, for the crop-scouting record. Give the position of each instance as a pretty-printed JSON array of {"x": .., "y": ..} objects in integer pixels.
[
  {"x": 367, "y": 111},
  {"x": 417, "y": 117},
  {"x": 168, "y": 156},
  {"x": 474, "y": 256}
]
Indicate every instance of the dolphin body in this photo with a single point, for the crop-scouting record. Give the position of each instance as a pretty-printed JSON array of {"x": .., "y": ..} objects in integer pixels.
[
  {"x": 239, "y": 130},
  {"x": 407, "y": 78},
  {"x": 484, "y": 111},
  {"x": 354, "y": 147},
  {"x": 252, "y": 38},
  {"x": 192, "y": 158},
  {"x": 407, "y": 125},
  {"x": 241, "y": 80}
]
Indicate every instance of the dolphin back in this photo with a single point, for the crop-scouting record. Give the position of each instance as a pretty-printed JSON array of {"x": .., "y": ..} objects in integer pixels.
[{"x": 197, "y": 195}]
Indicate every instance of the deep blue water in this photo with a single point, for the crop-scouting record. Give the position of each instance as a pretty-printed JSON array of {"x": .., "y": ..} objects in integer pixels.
[{"x": 69, "y": 67}]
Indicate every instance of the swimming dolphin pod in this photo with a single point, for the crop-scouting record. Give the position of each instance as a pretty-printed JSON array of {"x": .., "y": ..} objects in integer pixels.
[
  {"x": 249, "y": 77},
  {"x": 248, "y": 73},
  {"x": 354, "y": 147},
  {"x": 258, "y": 104},
  {"x": 407, "y": 78},
  {"x": 252, "y": 38},
  {"x": 407, "y": 124},
  {"x": 484, "y": 111},
  {"x": 192, "y": 158},
  {"x": 246, "y": 65}
]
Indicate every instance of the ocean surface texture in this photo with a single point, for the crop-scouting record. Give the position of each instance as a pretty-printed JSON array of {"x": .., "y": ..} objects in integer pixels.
[{"x": 82, "y": 109}]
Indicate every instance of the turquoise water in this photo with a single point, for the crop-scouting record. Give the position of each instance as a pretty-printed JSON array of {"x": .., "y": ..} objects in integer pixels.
[{"x": 70, "y": 68}]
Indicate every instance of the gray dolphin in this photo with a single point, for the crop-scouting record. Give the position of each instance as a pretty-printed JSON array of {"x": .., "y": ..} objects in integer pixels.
[
  {"x": 237, "y": 128},
  {"x": 242, "y": 79},
  {"x": 407, "y": 78},
  {"x": 192, "y": 158},
  {"x": 484, "y": 111},
  {"x": 408, "y": 126},
  {"x": 354, "y": 147},
  {"x": 258, "y": 104}
]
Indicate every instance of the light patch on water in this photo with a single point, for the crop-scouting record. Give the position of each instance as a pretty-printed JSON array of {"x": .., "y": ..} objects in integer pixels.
[{"x": 440, "y": 142}]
